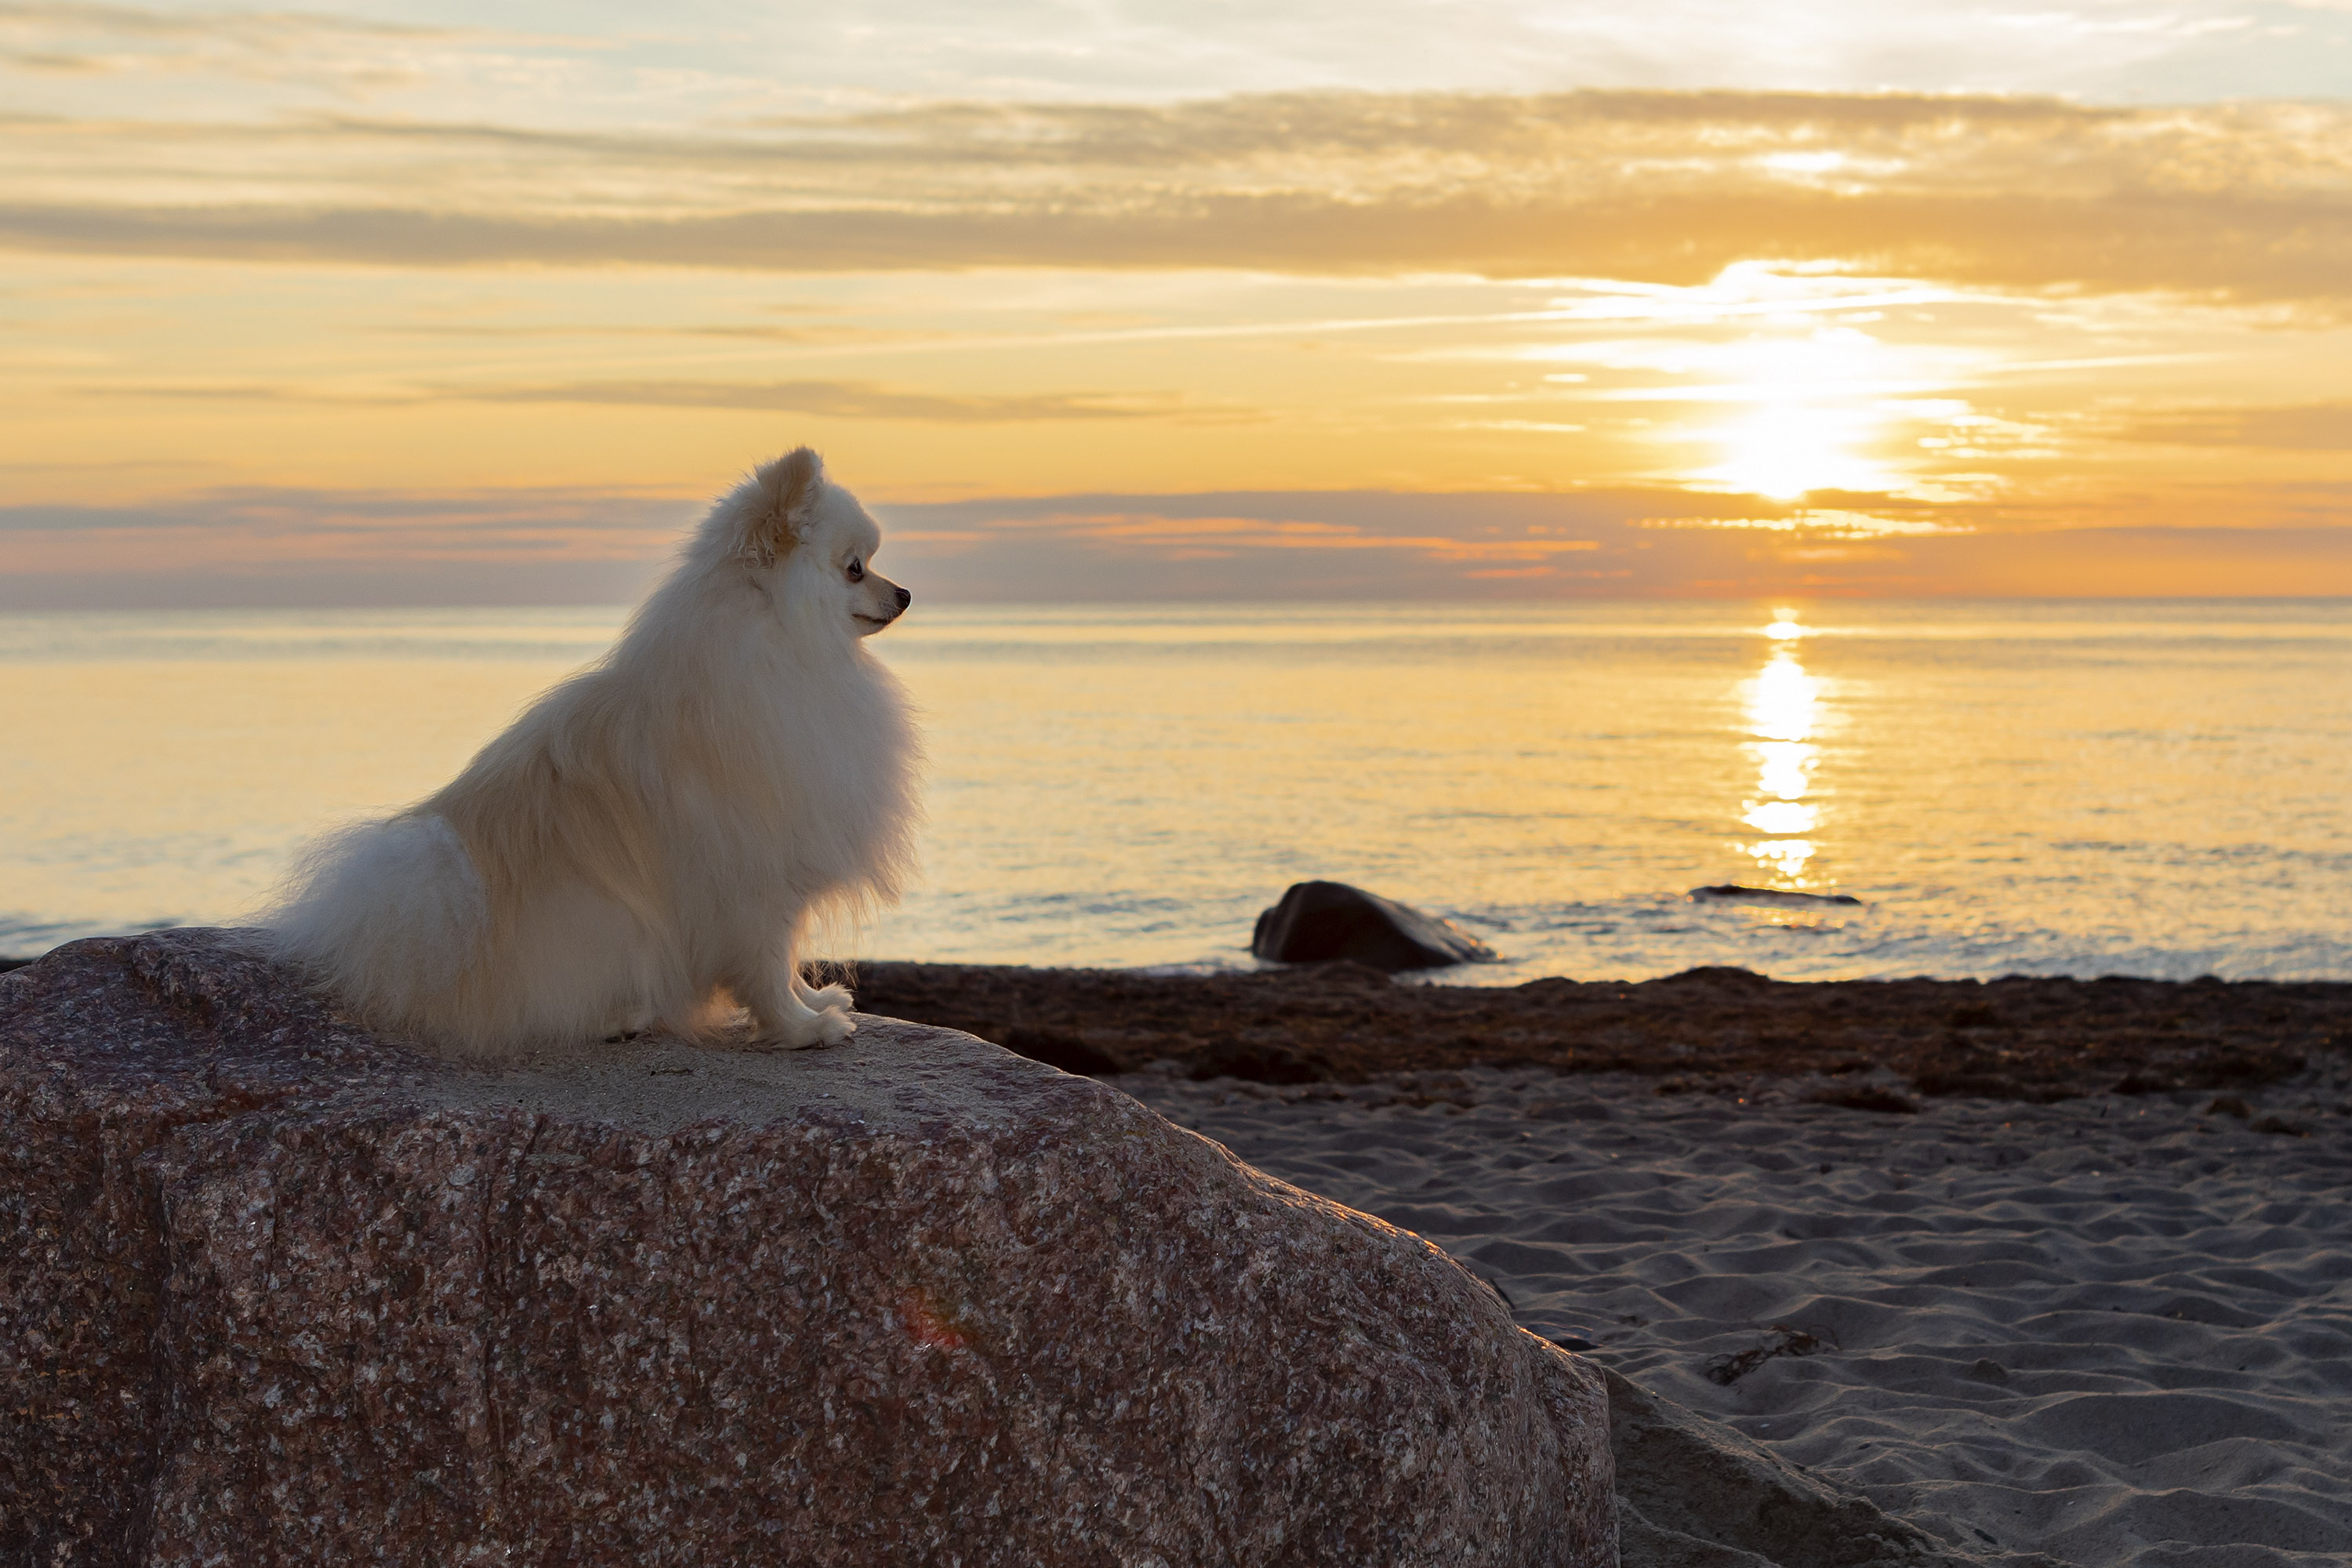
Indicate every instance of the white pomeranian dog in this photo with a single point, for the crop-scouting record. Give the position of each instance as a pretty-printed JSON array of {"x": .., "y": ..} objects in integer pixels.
[{"x": 648, "y": 842}]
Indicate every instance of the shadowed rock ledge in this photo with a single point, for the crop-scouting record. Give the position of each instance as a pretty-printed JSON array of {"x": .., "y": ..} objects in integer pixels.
[{"x": 273, "y": 1291}]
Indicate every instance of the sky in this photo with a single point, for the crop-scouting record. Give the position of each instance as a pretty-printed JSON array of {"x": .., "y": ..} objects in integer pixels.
[{"x": 438, "y": 304}]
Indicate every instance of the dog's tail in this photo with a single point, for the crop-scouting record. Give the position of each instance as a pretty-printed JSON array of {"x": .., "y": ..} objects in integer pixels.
[{"x": 387, "y": 915}]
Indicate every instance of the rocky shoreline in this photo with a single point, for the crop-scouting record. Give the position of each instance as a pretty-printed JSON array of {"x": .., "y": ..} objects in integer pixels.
[{"x": 1884, "y": 1044}]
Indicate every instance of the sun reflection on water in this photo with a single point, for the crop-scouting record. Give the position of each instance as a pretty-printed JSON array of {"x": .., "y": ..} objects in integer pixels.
[{"x": 1783, "y": 712}]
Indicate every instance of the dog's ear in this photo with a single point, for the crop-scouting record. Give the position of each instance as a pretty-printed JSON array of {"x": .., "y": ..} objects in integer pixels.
[{"x": 785, "y": 489}]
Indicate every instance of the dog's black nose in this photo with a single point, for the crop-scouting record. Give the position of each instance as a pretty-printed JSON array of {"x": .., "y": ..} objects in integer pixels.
[{"x": 905, "y": 598}]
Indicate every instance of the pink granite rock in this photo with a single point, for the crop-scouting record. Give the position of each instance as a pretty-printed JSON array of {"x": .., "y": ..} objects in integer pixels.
[{"x": 275, "y": 1291}]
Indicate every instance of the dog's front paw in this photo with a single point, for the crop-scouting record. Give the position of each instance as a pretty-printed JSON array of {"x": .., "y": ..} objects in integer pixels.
[
  {"x": 829, "y": 1027},
  {"x": 827, "y": 999}
]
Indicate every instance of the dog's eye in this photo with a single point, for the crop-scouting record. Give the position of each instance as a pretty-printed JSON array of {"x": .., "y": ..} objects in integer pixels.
[{"x": 858, "y": 571}]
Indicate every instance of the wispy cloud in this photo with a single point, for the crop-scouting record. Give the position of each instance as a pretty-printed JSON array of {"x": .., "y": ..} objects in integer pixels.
[
  {"x": 838, "y": 399},
  {"x": 694, "y": 54},
  {"x": 1186, "y": 535},
  {"x": 289, "y": 545},
  {"x": 273, "y": 29},
  {"x": 2234, "y": 202},
  {"x": 832, "y": 399},
  {"x": 2302, "y": 426},
  {"x": 340, "y": 52},
  {"x": 264, "y": 545},
  {"x": 235, "y": 525}
]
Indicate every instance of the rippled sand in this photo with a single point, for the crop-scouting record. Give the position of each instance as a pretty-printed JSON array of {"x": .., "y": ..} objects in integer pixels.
[{"x": 2115, "y": 1331}]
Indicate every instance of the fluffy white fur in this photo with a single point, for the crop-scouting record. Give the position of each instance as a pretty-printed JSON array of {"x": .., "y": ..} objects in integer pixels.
[{"x": 648, "y": 842}]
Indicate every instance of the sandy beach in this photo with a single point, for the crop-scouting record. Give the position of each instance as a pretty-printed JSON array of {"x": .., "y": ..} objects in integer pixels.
[
  {"x": 2054, "y": 1270},
  {"x": 2111, "y": 1331}
]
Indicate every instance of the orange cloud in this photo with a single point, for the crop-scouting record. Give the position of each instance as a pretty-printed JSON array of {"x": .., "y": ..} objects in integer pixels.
[
  {"x": 2301, "y": 428},
  {"x": 835, "y": 399},
  {"x": 555, "y": 546},
  {"x": 2249, "y": 202}
]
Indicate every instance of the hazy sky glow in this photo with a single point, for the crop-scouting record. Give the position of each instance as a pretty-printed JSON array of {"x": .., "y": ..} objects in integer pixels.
[{"x": 388, "y": 304}]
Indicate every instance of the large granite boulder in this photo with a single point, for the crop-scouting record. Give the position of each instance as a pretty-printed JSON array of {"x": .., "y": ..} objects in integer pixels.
[
  {"x": 1317, "y": 923},
  {"x": 276, "y": 1292}
]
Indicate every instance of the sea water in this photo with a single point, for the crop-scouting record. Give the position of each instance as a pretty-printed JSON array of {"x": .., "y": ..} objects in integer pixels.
[{"x": 2050, "y": 788}]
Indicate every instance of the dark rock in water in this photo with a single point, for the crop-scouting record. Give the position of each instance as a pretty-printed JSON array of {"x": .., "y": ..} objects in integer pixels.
[
  {"x": 1319, "y": 922},
  {"x": 1733, "y": 893},
  {"x": 8, "y": 963},
  {"x": 273, "y": 1291},
  {"x": 1720, "y": 976}
]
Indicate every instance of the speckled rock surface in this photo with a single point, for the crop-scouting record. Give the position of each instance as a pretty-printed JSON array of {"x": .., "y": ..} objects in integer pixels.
[{"x": 275, "y": 1291}]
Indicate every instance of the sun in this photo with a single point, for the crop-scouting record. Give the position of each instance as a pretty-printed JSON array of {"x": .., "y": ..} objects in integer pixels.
[
  {"x": 1788, "y": 450},
  {"x": 1813, "y": 408}
]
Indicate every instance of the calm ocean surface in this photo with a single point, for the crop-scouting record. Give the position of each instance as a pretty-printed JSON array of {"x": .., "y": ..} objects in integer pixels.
[{"x": 2051, "y": 788}]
